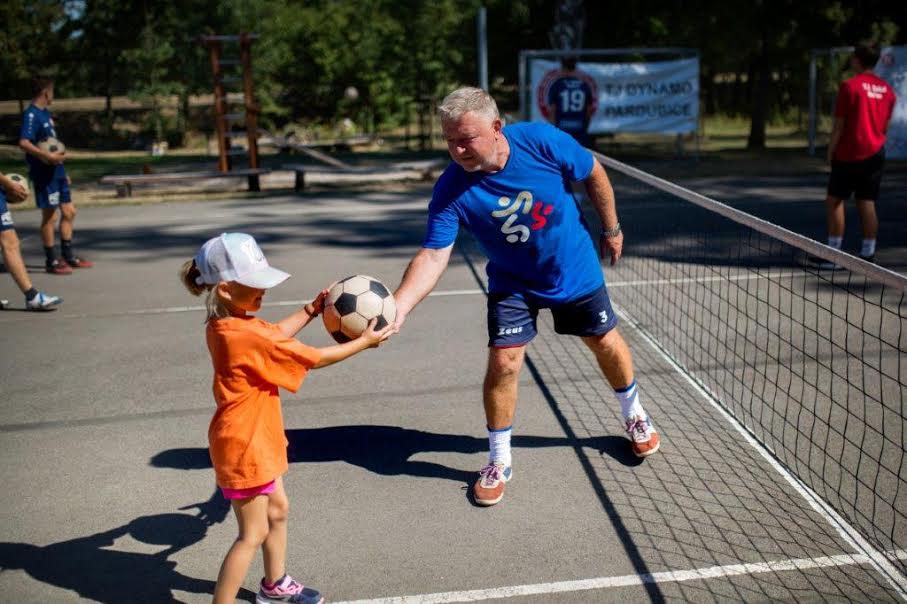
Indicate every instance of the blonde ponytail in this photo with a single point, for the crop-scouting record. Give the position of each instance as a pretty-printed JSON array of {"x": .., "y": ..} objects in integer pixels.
[
  {"x": 213, "y": 303},
  {"x": 188, "y": 273}
]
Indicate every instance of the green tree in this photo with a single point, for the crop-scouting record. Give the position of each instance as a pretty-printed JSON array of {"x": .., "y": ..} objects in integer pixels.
[{"x": 29, "y": 43}]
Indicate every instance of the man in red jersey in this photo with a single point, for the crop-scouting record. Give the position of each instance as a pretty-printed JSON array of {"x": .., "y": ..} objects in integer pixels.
[{"x": 857, "y": 149}]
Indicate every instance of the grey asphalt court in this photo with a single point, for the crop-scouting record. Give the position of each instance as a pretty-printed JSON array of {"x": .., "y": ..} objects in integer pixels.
[{"x": 109, "y": 495}]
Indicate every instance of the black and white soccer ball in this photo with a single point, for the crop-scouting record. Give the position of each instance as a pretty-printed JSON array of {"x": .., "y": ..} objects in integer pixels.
[
  {"x": 52, "y": 145},
  {"x": 353, "y": 302},
  {"x": 19, "y": 180}
]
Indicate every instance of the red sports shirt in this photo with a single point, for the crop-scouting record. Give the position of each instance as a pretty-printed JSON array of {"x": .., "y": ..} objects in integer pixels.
[{"x": 864, "y": 105}]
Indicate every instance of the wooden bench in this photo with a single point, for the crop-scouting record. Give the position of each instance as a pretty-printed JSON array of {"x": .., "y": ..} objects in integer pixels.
[
  {"x": 124, "y": 182},
  {"x": 417, "y": 170}
]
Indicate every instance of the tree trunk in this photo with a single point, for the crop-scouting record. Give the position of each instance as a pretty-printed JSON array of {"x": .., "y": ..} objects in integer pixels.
[
  {"x": 108, "y": 115},
  {"x": 759, "y": 110},
  {"x": 184, "y": 117},
  {"x": 707, "y": 82}
]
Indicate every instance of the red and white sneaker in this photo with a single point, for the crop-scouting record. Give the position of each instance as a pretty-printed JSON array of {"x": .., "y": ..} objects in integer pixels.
[
  {"x": 76, "y": 262},
  {"x": 489, "y": 488},
  {"x": 287, "y": 589},
  {"x": 643, "y": 436},
  {"x": 57, "y": 267}
]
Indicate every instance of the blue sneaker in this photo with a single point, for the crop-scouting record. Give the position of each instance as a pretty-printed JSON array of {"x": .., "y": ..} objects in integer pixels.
[
  {"x": 287, "y": 589},
  {"x": 489, "y": 488},
  {"x": 43, "y": 302}
]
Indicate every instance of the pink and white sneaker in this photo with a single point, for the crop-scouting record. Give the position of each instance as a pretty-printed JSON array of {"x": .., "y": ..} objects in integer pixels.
[{"x": 287, "y": 589}]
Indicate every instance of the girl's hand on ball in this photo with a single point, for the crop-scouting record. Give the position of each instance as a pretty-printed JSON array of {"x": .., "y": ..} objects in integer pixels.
[
  {"x": 318, "y": 302},
  {"x": 376, "y": 338}
]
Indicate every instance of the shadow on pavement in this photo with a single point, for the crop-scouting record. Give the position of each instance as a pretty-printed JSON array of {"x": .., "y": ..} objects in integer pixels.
[
  {"x": 386, "y": 450},
  {"x": 88, "y": 567}
]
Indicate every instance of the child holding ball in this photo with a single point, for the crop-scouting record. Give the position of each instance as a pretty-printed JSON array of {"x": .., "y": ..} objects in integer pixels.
[{"x": 251, "y": 359}]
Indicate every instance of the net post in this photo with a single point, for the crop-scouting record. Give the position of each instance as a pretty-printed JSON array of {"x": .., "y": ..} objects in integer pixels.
[
  {"x": 482, "y": 40},
  {"x": 678, "y": 146},
  {"x": 524, "y": 113}
]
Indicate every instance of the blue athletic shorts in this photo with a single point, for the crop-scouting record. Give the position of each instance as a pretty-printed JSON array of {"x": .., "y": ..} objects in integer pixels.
[
  {"x": 512, "y": 317},
  {"x": 50, "y": 194},
  {"x": 6, "y": 217}
]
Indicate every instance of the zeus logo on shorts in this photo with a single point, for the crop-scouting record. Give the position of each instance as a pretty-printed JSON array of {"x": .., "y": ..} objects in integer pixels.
[
  {"x": 54, "y": 198},
  {"x": 506, "y": 331},
  {"x": 604, "y": 316},
  {"x": 6, "y": 219}
]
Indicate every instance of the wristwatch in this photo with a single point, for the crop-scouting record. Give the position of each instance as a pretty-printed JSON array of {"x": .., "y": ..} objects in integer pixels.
[{"x": 611, "y": 232}]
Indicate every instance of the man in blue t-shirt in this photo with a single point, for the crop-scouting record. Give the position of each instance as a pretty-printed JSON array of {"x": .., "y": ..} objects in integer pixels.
[
  {"x": 511, "y": 188},
  {"x": 571, "y": 102},
  {"x": 45, "y": 168}
]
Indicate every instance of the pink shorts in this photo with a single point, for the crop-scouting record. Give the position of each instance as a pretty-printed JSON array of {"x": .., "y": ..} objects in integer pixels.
[{"x": 262, "y": 489}]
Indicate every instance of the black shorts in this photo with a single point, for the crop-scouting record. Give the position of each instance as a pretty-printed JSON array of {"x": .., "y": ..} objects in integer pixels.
[
  {"x": 512, "y": 317},
  {"x": 858, "y": 178}
]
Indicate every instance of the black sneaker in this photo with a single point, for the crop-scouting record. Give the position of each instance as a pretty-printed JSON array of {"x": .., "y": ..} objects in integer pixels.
[
  {"x": 871, "y": 258},
  {"x": 822, "y": 263}
]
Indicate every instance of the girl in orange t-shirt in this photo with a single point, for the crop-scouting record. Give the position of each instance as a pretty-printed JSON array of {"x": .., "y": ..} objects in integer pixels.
[{"x": 252, "y": 359}]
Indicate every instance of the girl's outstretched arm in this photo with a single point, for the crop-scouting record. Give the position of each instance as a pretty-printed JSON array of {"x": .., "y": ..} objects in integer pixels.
[
  {"x": 291, "y": 325},
  {"x": 369, "y": 339}
]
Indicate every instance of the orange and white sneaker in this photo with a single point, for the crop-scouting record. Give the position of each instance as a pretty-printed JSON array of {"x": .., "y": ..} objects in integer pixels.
[
  {"x": 643, "y": 436},
  {"x": 489, "y": 488}
]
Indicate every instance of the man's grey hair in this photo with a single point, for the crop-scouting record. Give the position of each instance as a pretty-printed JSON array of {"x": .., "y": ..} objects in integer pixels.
[{"x": 467, "y": 100}]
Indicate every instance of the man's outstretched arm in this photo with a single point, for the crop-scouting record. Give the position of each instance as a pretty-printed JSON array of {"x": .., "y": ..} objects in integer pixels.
[{"x": 421, "y": 276}]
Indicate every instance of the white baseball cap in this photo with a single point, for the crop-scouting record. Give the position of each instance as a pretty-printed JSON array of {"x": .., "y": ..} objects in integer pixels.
[{"x": 236, "y": 257}]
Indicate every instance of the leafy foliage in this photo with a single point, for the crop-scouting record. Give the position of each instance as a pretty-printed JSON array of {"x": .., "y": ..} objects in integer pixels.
[{"x": 397, "y": 51}]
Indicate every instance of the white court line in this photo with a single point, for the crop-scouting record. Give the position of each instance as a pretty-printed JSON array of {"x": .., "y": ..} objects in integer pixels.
[
  {"x": 671, "y": 576},
  {"x": 847, "y": 532},
  {"x": 434, "y": 294}
]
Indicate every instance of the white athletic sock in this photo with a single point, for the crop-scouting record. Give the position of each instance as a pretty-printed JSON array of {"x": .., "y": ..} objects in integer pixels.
[
  {"x": 835, "y": 242},
  {"x": 629, "y": 401},
  {"x": 869, "y": 247},
  {"x": 499, "y": 445}
]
